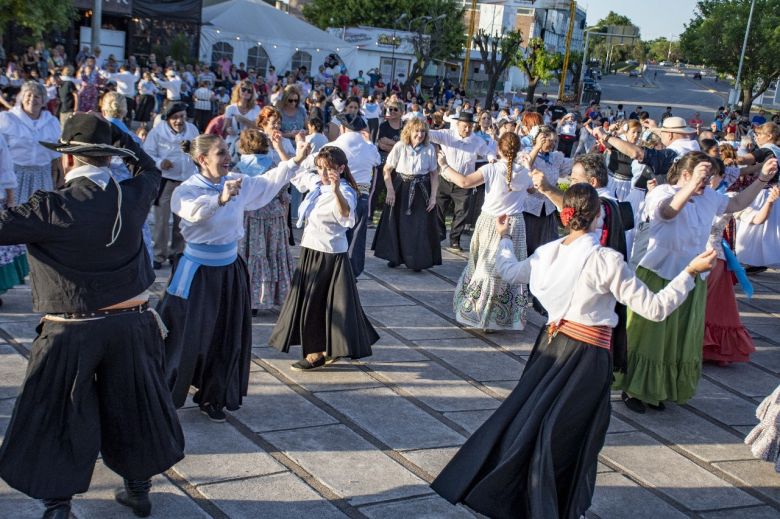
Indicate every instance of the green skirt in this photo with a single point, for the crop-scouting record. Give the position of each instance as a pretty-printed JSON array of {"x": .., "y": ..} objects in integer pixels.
[
  {"x": 12, "y": 274},
  {"x": 664, "y": 359}
]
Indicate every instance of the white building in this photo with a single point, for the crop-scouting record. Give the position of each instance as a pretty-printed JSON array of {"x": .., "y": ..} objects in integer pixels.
[
  {"x": 390, "y": 51},
  {"x": 546, "y": 19}
]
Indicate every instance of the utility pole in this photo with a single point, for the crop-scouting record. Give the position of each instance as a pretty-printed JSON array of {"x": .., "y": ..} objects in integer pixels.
[
  {"x": 97, "y": 22},
  {"x": 737, "y": 87},
  {"x": 466, "y": 62},
  {"x": 572, "y": 14}
]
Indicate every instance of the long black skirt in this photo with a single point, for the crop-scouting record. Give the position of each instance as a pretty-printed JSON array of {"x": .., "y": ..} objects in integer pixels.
[
  {"x": 143, "y": 112},
  {"x": 409, "y": 239},
  {"x": 322, "y": 312},
  {"x": 209, "y": 343},
  {"x": 536, "y": 456},
  {"x": 539, "y": 230},
  {"x": 92, "y": 387}
]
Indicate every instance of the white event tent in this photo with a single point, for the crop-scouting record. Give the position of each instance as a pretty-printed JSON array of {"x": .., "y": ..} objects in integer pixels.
[{"x": 259, "y": 35}]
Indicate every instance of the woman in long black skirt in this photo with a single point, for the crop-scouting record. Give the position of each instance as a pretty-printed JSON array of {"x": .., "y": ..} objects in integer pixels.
[
  {"x": 535, "y": 457},
  {"x": 322, "y": 311},
  {"x": 407, "y": 232},
  {"x": 207, "y": 304}
]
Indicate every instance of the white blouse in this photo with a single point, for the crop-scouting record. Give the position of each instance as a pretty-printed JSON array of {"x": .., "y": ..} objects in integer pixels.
[
  {"x": 604, "y": 279},
  {"x": 461, "y": 153},
  {"x": 326, "y": 229},
  {"x": 408, "y": 161},
  {"x": 203, "y": 220},
  {"x": 557, "y": 165},
  {"x": 362, "y": 156},
  {"x": 22, "y": 135},
  {"x": 7, "y": 175},
  {"x": 498, "y": 199},
  {"x": 674, "y": 243},
  {"x": 161, "y": 143}
]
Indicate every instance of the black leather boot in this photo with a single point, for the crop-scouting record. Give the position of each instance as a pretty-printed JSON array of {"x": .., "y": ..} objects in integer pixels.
[
  {"x": 56, "y": 508},
  {"x": 135, "y": 495}
]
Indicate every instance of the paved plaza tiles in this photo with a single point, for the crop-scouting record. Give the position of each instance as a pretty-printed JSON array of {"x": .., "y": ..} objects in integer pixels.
[{"x": 365, "y": 438}]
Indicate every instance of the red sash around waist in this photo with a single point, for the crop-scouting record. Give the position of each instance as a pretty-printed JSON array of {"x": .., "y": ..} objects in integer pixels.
[{"x": 599, "y": 336}]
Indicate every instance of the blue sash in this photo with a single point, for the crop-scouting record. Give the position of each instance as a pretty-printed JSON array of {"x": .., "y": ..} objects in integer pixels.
[
  {"x": 734, "y": 266},
  {"x": 195, "y": 255}
]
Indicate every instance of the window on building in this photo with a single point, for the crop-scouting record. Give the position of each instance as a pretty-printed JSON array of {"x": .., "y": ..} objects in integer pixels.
[
  {"x": 257, "y": 59},
  {"x": 401, "y": 68},
  {"x": 301, "y": 59},
  {"x": 221, "y": 50}
]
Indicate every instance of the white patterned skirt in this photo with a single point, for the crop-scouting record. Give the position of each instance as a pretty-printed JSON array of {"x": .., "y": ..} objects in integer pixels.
[
  {"x": 482, "y": 299},
  {"x": 32, "y": 179}
]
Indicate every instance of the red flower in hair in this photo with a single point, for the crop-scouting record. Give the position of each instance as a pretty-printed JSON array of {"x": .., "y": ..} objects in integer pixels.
[{"x": 566, "y": 215}]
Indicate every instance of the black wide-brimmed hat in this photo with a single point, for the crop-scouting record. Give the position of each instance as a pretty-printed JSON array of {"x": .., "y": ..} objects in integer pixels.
[
  {"x": 352, "y": 122},
  {"x": 466, "y": 117},
  {"x": 173, "y": 108},
  {"x": 89, "y": 135}
]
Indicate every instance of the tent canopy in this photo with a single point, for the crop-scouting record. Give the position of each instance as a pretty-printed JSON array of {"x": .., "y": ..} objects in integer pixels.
[{"x": 248, "y": 23}]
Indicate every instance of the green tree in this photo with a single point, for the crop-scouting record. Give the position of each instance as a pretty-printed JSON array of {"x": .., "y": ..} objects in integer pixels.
[
  {"x": 537, "y": 63},
  {"x": 661, "y": 49},
  {"x": 598, "y": 48},
  {"x": 497, "y": 53},
  {"x": 441, "y": 40},
  {"x": 39, "y": 16},
  {"x": 714, "y": 38}
]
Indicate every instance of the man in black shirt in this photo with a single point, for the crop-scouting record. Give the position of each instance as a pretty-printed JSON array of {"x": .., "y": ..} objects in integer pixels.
[
  {"x": 67, "y": 94},
  {"x": 95, "y": 382}
]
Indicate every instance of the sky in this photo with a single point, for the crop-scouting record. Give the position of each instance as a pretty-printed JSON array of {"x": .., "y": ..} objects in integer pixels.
[{"x": 655, "y": 18}]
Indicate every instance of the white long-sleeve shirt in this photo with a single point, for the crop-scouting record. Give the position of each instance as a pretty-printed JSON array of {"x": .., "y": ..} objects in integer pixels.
[
  {"x": 326, "y": 229},
  {"x": 461, "y": 153},
  {"x": 7, "y": 175},
  {"x": 162, "y": 143},
  {"x": 172, "y": 88},
  {"x": 554, "y": 166},
  {"x": 203, "y": 220},
  {"x": 22, "y": 135},
  {"x": 362, "y": 156},
  {"x": 604, "y": 279},
  {"x": 125, "y": 81}
]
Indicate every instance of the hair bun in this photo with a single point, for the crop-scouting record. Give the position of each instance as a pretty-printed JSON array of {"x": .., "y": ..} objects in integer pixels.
[
  {"x": 186, "y": 146},
  {"x": 579, "y": 222}
]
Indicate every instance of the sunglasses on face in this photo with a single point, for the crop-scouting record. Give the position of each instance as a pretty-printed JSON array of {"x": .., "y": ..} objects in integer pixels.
[
  {"x": 291, "y": 100},
  {"x": 393, "y": 110},
  {"x": 246, "y": 90}
]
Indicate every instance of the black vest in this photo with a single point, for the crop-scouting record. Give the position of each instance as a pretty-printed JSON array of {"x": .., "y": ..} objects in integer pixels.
[{"x": 67, "y": 232}]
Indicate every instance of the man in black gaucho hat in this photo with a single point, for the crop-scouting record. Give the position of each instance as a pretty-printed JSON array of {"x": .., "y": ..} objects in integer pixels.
[
  {"x": 462, "y": 148},
  {"x": 95, "y": 381}
]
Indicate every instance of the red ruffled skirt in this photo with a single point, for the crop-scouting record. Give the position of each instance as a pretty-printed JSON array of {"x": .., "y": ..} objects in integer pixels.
[{"x": 725, "y": 338}]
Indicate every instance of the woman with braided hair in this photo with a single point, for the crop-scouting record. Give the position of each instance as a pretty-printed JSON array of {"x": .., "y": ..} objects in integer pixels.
[
  {"x": 482, "y": 299},
  {"x": 536, "y": 455}
]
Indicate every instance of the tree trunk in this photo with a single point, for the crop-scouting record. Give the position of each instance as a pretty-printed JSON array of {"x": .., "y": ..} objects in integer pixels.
[
  {"x": 416, "y": 71},
  {"x": 532, "y": 82},
  {"x": 491, "y": 90},
  {"x": 747, "y": 99}
]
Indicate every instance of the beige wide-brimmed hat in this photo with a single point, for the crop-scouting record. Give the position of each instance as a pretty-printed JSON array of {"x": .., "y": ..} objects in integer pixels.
[{"x": 674, "y": 125}]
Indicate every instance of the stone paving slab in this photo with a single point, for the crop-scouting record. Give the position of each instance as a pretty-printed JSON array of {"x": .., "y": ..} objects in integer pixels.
[
  {"x": 431, "y": 461},
  {"x": 617, "y": 497},
  {"x": 694, "y": 435},
  {"x": 744, "y": 378},
  {"x": 374, "y": 294},
  {"x": 12, "y": 369},
  {"x": 282, "y": 496},
  {"x": 754, "y": 512},
  {"x": 16, "y": 505},
  {"x": 672, "y": 474},
  {"x": 271, "y": 406},
  {"x": 167, "y": 500},
  {"x": 391, "y": 349},
  {"x": 757, "y": 474},
  {"x": 723, "y": 405},
  {"x": 214, "y": 452},
  {"x": 415, "y": 323},
  {"x": 435, "y": 386},
  {"x": 469, "y": 420},
  {"x": 394, "y": 420},
  {"x": 430, "y": 507},
  {"x": 474, "y": 358},
  {"x": 338, "y": 376},
  {"x": 346, "y": 463}
]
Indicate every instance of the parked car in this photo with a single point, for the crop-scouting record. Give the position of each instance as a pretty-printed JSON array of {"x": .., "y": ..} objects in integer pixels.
[
  {"x": 697, "y": 75},
  {"x": 633, "y": 73},
  {"x": 665, "y": 64}
]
